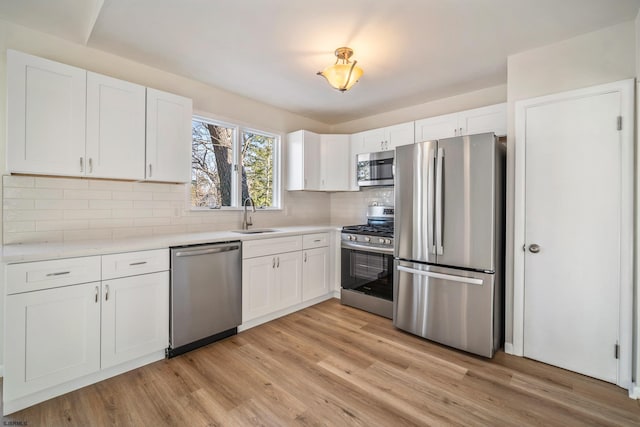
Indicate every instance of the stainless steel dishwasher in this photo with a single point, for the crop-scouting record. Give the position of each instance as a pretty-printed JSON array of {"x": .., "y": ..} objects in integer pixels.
[{"x": 206, "y": 294}]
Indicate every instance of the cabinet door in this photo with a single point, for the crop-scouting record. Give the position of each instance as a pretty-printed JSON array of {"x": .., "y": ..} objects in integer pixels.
[
  {"x": 258, "y": 287},
  {"x": 315, "y": 273},
  {"x": 168, "y": 155},
  {"x": 135, "y": 317},
  {"x": 398, "y": 135},
  {"x": 54, "y": 337},
  {"x": 438, "y": 127},
  {"x": 335, "y": 163},
  {"x": 45, "y": 116},
  {"x": 115, "y": 128},
  {"x": 374, "y": 140},
  {"x": 288, "y": 279},
  {"x": 486, "y": 119}
]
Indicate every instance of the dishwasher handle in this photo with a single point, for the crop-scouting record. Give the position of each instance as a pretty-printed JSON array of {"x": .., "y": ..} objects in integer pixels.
[{"x": 196, "y": 252}]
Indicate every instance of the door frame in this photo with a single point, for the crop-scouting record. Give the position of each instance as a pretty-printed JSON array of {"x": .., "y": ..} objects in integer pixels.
[{"x": 626, "y": 90}]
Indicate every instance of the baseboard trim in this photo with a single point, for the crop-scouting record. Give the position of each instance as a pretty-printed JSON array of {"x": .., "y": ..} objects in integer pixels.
[
  {"x": 508, "y": 348},
  {"x": 276, "y": 314},
  {"x": 634, "y": 391},
  {"x": 19, "y": 403}
]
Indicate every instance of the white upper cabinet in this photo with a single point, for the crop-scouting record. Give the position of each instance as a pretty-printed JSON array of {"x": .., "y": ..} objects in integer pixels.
[
  {"x": 335, "y": 155},
  {"x": 479, "y": 120},
  {"x": 168, "y": 156},
  {"x": 115, "y": 144},
  {"x": 303, "y": 161},
  {"x": 64, "y": 120},
  {"x": 45, "y": 116},
  {"x": 383, "y": 139}
]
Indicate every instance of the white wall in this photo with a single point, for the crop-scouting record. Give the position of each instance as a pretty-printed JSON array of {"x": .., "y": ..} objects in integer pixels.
[
  {"x": 465, "y": 101},
  {"x": 594, "y": 58}
]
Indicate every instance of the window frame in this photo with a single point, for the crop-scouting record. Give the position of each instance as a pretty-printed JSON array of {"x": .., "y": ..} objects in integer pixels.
[{"x": 236, "y": 146}]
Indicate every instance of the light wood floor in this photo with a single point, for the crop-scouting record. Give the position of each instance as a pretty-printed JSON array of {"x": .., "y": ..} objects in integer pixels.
[{"x": 334, "y": 365}]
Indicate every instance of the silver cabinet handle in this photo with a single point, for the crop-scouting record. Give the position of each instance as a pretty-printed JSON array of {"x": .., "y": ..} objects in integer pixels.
[
  {"x": 460, "y": 131},
  {"x": 278, "y": 264},
  {"x": 106, "y": 293},
  {"x": 97, "y": 291},
  {"x": 59, "y": 273},
  {"x": 317, "y": 240},
  {"x": 138, "y": 263},
  {"x": 90, "y": 165},
  {"x": 150, "y": 171},
  {"x": 439, "y": 204},
  {"x": 273, "y": 264},
  {"x": 305, "y": 257},
  {"x": 469, "y": 280},
  {"x": 81, "y": 164},
  {"x": 534, "y": 248}
]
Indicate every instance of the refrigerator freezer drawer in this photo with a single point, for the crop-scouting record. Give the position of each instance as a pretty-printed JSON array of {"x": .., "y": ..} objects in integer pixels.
[{"x": 453, "y": 307}]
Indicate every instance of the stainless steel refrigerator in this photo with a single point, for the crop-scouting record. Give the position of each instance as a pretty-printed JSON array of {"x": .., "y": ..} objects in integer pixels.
[{"x": 449, "y": 241}]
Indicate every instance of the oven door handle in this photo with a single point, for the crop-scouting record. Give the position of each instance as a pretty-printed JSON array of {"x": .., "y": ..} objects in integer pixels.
[{"x": 375, "y": 249}]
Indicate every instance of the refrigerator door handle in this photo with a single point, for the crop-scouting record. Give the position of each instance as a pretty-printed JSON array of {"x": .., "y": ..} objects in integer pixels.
[
  {"x": 430, "y": 201},
  {"x": 439, "y": 206},
  {"x": 469, "y": 280}
]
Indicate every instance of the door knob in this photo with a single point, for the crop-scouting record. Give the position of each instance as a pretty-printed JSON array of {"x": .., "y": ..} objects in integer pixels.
[{"x": 534, "y": 249}]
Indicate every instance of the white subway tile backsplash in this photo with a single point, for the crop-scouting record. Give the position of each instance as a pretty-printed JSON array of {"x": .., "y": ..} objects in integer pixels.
[
  {"x": 77, "y": 224},
  {"x": 64, "y": 183},
  {"x": 17, "y": 181},
  {"x": 87, "y": 214},
  {"x": 20, "y": 226},
  {"x": 87, "y": 194},
  {"x": 62, "y": 204},
  {"x": 99, "y": 184},
  {"x": 111, "y": 223},
  {"x": 52, "y": 209},
  {"x": 31, "y": 193},
  {"x": 110, "y": 204}
]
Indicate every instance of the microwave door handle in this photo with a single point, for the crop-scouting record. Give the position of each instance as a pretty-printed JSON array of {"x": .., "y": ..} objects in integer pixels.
[
  {"x": 430, "y": 201},
  {"x": 439, "y": 204}
]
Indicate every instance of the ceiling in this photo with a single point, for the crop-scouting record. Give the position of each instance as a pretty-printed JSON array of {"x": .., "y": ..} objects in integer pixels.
[{"x": 412, "y": 51}]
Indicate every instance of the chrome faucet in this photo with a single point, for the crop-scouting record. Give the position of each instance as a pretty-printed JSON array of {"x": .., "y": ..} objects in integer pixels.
[{"x": 246, "y": 223}]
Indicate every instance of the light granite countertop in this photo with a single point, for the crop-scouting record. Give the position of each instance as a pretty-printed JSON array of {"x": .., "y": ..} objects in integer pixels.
[{"x": 46, "y": 251}]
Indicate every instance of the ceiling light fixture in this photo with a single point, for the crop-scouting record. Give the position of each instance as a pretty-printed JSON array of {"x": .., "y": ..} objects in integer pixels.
[{"x": 344, "y": 73}]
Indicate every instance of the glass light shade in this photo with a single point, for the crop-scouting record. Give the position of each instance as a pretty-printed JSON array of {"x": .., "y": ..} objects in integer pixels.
[{"x": 338, "y": 75}]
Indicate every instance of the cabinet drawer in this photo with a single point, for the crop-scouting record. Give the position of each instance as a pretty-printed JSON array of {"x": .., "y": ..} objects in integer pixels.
[
  {"x": 316, "y": 240},
  {"x": 134, "y": 263},
  {"x": 33, "y": 276},
  {"x": 262, "y": 247}
]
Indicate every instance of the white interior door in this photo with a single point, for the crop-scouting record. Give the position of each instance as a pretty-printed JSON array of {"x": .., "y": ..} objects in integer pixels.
[{"x": 572, "y": 232}]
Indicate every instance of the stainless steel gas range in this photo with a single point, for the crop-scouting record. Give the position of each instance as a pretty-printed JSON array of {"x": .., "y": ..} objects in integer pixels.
[{"x": 367, "y": 263}]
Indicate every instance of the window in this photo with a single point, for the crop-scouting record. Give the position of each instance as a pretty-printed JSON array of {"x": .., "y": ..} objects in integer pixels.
[{"x": 230, "y": 164}]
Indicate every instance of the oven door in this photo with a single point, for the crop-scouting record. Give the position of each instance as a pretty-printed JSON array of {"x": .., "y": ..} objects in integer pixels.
[{"x": 367, "y": 278}]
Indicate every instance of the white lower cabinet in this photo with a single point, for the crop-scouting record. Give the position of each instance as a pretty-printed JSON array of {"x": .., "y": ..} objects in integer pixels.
[
  {"x": 59, "y": 330},
  {"x": 315, "y": 273},
  {"x": 53, "y": 337},
  {"x": 270, "y": 283},
  {"x": 135, "y": 317}
]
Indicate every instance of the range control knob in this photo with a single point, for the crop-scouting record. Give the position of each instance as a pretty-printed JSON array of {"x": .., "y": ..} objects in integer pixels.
[
  {"x": 367, "y": 239},
  {"x": 352, "y": 237},
  {"x": 387, "y": 241},
  {"x": 381, "y": 240}
]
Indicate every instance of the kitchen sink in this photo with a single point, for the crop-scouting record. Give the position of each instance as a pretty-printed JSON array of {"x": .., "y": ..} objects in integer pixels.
[{"x": 255, "y": 231}]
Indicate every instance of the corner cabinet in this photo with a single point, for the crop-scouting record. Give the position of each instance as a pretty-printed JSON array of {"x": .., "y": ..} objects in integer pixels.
[
  {"x": 317, "y": 162},
  {"x": 70, "y": 327},
  {"x": 66, "y": 121},
  {"x": 492, "y": 118},
  {"x": 168, "y": 154}
]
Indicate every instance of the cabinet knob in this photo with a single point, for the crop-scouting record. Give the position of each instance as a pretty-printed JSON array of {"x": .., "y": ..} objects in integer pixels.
[{"x": 534, "y": 249}]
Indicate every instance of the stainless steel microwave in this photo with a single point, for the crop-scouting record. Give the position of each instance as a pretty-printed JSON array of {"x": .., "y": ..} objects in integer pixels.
[{"x": 375, "y": 168}]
